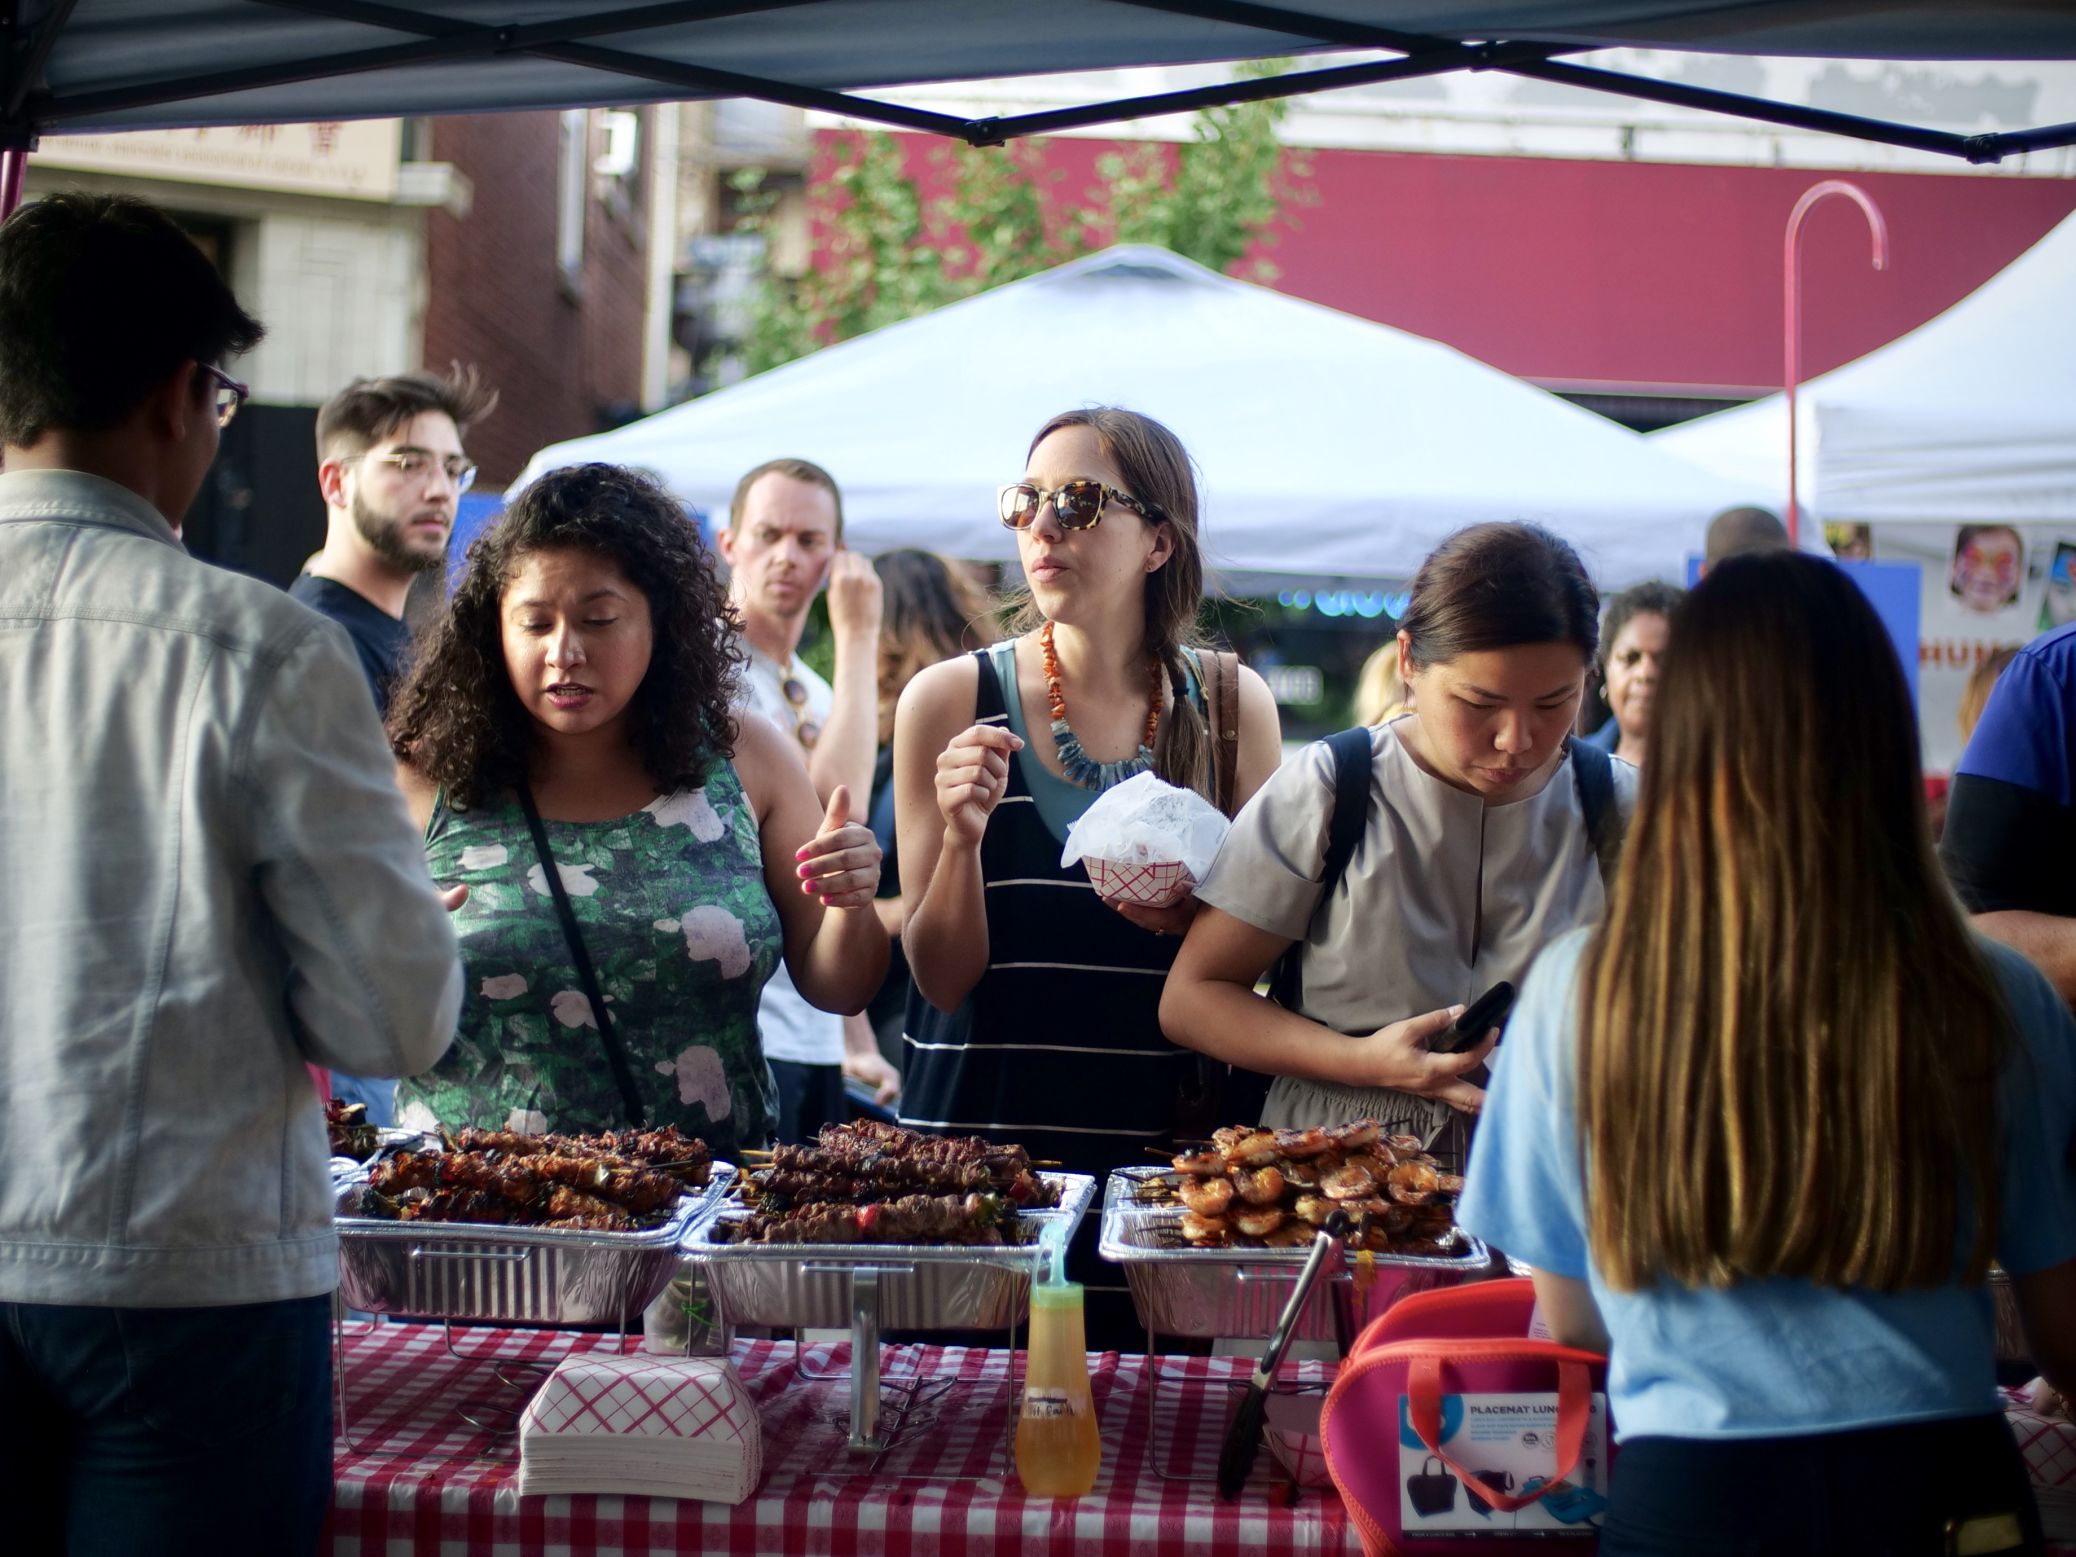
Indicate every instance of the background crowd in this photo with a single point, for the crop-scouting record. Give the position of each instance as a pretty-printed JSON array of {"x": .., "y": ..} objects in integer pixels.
[{"x": 601, "y": 849}]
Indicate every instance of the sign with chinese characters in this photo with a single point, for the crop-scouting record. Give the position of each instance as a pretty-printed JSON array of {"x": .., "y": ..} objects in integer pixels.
[{"x": 355, "y": 160}]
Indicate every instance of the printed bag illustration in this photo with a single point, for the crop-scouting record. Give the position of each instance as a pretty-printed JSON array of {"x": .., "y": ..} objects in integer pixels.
[{"x": 1433, "y": 1492}]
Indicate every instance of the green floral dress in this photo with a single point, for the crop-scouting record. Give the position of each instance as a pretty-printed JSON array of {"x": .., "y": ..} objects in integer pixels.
[{"x": 682, "y": 933}]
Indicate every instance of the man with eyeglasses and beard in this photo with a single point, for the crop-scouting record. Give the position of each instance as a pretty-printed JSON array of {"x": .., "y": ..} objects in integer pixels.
[
  {"x": 391, "y": 466},
  {"x": 784, "y": 541},
  {"x": 392, "y": 470}
]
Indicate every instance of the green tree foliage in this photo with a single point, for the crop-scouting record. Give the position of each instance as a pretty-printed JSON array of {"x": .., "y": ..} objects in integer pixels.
[{"x": 886, "y": 252}]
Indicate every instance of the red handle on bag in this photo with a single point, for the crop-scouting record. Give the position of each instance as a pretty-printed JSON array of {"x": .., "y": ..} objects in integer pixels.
[{"x": 1574, "y": 1412}]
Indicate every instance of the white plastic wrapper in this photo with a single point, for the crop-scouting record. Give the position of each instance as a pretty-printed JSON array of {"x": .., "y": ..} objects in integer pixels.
[{"x": 1146, "y": 841}]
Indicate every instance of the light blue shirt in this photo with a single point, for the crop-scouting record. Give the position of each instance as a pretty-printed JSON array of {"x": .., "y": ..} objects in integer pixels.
[{"x": 1781, "y": 1356}]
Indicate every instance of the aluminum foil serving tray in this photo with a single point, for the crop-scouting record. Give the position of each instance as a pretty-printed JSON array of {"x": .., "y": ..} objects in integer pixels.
[
  {"x": 1239, "y": 1293},
  {"x": 920, "y": 1287},
  {"x": 386, "y": 1140},
  {"x": 511, "y": 1275}
]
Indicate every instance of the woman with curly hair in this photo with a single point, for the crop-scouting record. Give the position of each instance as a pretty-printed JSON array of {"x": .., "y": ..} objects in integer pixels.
[{"x": 572, "y": 709}]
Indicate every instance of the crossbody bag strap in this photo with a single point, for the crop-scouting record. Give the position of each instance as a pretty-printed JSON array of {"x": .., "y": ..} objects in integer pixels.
[{"x": 616, "y": 1056}]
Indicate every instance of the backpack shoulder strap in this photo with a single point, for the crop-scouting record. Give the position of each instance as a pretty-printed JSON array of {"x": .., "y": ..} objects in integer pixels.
[
  {"x": 1593, "y": 771},
  {"x": 1352, "y": 754},
  {"x": 1224, "y": 703}
]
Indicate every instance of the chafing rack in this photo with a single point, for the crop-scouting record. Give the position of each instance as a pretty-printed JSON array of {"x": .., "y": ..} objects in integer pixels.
[
  {"x": 1237, "y": 1293},
  {"x": 864, "y": 1287}
]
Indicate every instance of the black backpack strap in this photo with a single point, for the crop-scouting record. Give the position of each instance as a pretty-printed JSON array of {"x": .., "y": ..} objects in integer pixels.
[
  {"x": 1593, "y": 771},
  {"x": 1353, "y": 754},
  {"x": 1245, "y": 1093}
]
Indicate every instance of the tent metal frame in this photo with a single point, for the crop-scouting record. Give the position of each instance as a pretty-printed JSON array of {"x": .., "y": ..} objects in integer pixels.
[{"x": 28, "y": 108}]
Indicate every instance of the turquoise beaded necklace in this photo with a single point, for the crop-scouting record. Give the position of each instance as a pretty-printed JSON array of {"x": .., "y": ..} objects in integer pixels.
[{"x": 1076, "y": 765}]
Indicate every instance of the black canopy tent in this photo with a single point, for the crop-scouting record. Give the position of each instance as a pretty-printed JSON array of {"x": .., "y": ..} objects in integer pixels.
[{"x": 99, "y": 65}]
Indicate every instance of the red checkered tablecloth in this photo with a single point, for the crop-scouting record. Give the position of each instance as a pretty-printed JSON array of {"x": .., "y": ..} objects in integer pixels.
[{"x": 424, "y": 1469}]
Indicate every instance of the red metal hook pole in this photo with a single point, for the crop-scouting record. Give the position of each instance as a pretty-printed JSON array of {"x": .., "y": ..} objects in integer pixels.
[{"x": 1791, "y": 354}]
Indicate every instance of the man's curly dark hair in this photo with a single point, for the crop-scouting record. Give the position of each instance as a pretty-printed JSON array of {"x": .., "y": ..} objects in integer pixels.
[{"x": 456, "y": 718}]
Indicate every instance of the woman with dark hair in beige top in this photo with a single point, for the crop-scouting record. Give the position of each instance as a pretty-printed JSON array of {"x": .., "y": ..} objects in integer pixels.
[{"x": 1475, "y": 851}]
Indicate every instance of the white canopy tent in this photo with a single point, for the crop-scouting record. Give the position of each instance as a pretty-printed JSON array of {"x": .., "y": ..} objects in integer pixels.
[
  {"x": 1331, "y": 448},
  {"x": 1970, "y": 418},
  {"x": 1955, "y": 446}
]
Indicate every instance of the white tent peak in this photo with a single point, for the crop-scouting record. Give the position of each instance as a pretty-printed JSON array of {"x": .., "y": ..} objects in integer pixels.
[
  {"x": 1141, "y": 261},
  {"x": 1969, "y": 417},
  {"x": 1330, "y": 447}
]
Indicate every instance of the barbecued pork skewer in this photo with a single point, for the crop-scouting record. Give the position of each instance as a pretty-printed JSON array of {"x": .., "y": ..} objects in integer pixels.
[
  {"x": 911, "y": 1219},
  {"x": 807, "y": 1174}
]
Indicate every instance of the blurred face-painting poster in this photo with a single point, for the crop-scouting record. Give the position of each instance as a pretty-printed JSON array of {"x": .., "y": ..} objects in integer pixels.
[{"x": 1984, "y": 587}]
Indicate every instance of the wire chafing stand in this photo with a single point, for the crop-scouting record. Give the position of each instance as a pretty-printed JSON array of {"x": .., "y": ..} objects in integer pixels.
[
  {"x": 1189, "y": 1292},
  {"x": 867, "y": 1288},
  {"x": 475, "y": 1273}
]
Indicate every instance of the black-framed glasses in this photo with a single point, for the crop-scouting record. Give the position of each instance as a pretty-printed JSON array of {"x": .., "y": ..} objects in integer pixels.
[
  {"x": 805, "y": 730},
  {"x": 1078, "y": 504},
  {"x": 230, "y": 394},
  {"x": 412, "y": 464}
]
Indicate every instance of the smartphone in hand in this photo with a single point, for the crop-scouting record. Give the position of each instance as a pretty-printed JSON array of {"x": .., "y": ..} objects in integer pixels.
[{"x": 1488, "y": 1011}]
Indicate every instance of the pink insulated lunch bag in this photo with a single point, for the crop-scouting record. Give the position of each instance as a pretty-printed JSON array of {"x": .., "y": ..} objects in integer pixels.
[{"x": 1451, "y": 1432}]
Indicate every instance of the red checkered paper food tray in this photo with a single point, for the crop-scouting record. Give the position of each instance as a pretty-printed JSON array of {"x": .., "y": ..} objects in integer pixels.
[
  {"x": 643, "y": 1395},
  {"x": 395, "y": 1495},
  {"x": 642, "y": 1424},
  {"x": 1154, "y": 885}
]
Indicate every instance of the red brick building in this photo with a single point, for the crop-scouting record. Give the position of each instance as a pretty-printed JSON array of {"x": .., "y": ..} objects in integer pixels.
[{"x": 542, "y": 283}]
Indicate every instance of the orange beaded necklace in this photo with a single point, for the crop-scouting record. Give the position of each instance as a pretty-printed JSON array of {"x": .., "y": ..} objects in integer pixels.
[{"x": 1075, "y": 764}]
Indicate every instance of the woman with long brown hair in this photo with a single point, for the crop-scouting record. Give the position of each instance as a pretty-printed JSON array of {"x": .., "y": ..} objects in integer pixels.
[
  {"x": 1764, "y": 1130},
  {"x": 1035, "y": 1018}
]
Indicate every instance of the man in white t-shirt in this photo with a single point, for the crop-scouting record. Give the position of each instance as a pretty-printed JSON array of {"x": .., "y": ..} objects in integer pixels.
[{"x": 783, "y": 542}]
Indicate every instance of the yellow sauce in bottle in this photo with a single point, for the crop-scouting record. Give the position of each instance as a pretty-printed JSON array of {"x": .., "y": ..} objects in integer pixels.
[{"x": 1058, "y": 1450}]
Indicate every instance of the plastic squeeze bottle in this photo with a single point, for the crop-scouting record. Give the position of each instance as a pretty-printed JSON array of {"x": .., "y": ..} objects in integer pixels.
[{"x": 1058, "y": 1450}]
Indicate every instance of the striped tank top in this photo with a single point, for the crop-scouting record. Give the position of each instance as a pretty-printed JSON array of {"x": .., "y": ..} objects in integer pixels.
[{"x": 1059, "y": 1046}]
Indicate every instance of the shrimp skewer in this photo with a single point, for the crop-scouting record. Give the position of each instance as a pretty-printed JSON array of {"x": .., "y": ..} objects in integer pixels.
[{"x": 1206, "y": 1197}]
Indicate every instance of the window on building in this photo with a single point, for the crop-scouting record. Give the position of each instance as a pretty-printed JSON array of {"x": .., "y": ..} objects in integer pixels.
[{"x": 572, "y": 197}]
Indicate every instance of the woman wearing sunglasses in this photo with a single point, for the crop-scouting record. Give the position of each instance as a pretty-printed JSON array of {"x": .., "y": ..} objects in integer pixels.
[
  {"x": 1035, "y": 1018},
  {"x": 1482, "y": 836},
  {"x": 1766, "y": 1127},
  {"x": 638, "y": 856}
]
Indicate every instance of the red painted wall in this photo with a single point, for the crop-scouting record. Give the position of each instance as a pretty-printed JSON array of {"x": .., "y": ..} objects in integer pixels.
[{"x": 1646, "y": 276}]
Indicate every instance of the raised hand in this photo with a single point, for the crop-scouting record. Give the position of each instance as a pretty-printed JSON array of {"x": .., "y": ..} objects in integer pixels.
[
  {"x": 855, "y": 596},
  {"x": 840, "y": 864},
  {"x": 972, "y": 773}
]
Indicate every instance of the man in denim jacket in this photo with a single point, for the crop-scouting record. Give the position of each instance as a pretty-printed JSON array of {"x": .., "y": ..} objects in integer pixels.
[{"x": 207, "y": 879}]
